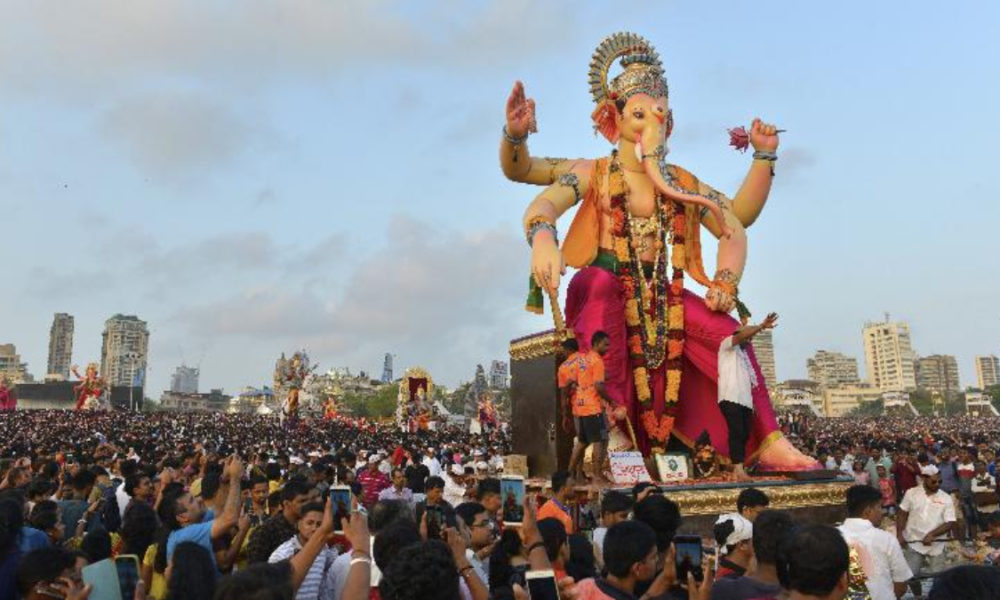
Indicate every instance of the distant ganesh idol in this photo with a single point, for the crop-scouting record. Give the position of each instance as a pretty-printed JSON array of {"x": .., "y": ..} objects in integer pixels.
[{"x": 635, "y": 234}]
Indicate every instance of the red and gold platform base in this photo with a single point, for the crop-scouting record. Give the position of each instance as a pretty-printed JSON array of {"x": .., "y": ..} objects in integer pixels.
[{"x": 701, "y": 503}]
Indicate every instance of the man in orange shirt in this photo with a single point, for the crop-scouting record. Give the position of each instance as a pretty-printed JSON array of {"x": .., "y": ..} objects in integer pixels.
[
  {"x": 557, "y": 507},
  {"x": 588, "y": 401},
  {"x": 566, "y": 377}
]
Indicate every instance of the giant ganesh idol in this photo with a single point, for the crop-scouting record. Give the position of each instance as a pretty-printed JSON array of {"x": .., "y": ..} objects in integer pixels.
[{"x": 634, "y": 237}]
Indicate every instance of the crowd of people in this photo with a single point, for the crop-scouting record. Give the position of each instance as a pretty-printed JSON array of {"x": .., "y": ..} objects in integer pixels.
[{"x": 235, "y": 506}]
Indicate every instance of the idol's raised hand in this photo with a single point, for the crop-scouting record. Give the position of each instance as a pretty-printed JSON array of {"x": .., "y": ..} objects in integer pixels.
[
  {"x": 520, "y": 113},
  {"x": 763, "y": 136}
]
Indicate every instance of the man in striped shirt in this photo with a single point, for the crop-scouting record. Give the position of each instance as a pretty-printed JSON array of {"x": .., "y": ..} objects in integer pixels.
[
  {"x": 372, "y": 481},
  {"x": 318, "y": 580}
]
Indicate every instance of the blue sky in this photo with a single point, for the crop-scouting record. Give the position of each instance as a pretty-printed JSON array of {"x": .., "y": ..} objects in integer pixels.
[{"x": 258, "y": 177}]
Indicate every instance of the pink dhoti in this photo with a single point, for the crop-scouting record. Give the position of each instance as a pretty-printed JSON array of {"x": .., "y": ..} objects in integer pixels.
[{"x": 595, "y": 302}]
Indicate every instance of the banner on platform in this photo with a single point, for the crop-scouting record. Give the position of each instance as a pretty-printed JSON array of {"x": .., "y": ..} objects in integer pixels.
[{"x": 628, "y": 468}]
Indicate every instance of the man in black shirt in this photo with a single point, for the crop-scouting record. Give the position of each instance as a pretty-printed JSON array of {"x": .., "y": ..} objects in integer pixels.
[
  {"x": 281, "y": 527},
  {"x": 416, "y": 474},
  {"x": 443, "y": 513}
]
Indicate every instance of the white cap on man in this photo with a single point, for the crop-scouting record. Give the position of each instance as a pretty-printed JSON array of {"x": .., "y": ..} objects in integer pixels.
[{"x": 742, "y": 531}]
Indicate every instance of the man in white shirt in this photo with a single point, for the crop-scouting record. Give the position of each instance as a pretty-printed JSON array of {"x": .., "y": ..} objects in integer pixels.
[
  {"x": 881, "y": 557},
  {"x": 454, "y": 485},
  {"x": 925, "y": 514},
  {"x": 496, "y": 462},
  {"x": 838, "y": 461},
  {"x": 432, "y": 463},
  {"x": 737, "y": 379},
  {"x": 982, "y": 481}
]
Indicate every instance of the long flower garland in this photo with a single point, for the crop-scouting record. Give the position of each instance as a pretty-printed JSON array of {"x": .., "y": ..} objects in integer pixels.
[{"x": 658, "y": 331}]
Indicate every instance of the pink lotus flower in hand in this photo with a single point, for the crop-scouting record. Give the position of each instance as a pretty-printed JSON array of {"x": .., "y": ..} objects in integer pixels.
[{"x": 739, "y": 138}]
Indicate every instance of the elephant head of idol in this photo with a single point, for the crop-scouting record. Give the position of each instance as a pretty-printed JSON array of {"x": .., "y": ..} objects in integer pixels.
[{"x": 633, "y": 110}]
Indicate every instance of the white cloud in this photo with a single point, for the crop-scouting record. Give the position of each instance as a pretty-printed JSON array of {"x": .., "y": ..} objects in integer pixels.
[
  {"x": 437, "y": 297},
  {"x": 174, "y": 137},
  {"x": 103, "y": 46}
]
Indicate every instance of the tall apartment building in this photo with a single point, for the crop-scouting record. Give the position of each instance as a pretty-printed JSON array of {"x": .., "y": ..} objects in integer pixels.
[
  {"x": 387, "y": 369},
  {"x": 185, "y": 380},
  {"x": 125, "y": 350},
  {"x": 763, "y": 347},
  {"x": 938, "y": 373},
  {"x": 60, "y": 346},
  {"x": 889, "y": 356},
  {"x": 832, "y": 368},
  {"x": 11, "y": 366},
  {"x": 987, "y": 371},
  {"x": 498, "y": 375}
]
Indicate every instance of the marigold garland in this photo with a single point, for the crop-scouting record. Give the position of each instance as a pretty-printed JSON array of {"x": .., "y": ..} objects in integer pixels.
[{"x": 656, "y": 336}]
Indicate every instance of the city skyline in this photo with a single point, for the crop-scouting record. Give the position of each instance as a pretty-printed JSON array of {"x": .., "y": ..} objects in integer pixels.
[
  {"x": 227, "y": 181},
  {"x": 823, "y": 363}
]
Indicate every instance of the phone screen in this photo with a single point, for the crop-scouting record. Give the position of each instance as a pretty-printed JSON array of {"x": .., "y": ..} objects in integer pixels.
[
  {"x": 688, "y": 556},
  {"x": 128, "y": 574},
  {"x": 518, "y": 575},
  {"x": 102, "y": 576},
  {"x": 542, "y": 585},
  {"x": 433, "y": 522},
  {"x": 340, "y": 499},
  {"x": 512, "y": 497}
]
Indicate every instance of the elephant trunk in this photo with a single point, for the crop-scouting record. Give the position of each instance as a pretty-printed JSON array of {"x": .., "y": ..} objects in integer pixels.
[{"x": 652, "y": 168}]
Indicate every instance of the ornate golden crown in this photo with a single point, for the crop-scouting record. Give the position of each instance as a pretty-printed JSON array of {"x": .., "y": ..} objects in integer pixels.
[{"x": 643, "y": 69}]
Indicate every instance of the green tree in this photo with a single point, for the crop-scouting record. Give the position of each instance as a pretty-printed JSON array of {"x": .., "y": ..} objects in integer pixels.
[
  {"x": 455, "y": 403},
  {"x": 875, "y": 408},
  {"x": 354, "y": 404},
  {"x": 383, "y": 402},
  {"x": 993, "y": 391},
  {"x": 922, "y": 401},
  {"x": 954, "y": 405},
  {"x": 376, "y": 404}
]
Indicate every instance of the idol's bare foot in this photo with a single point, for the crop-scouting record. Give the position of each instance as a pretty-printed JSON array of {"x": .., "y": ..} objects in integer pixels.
[
  {"x": 781, "y": 455},
  {"x": 739, "y": 474}
]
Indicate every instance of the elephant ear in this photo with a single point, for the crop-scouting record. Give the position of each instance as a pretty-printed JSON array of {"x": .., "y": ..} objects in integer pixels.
[{"x": 604, "y": 120}]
